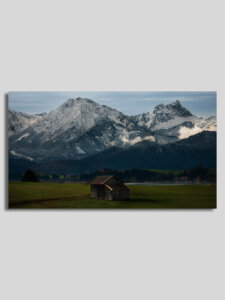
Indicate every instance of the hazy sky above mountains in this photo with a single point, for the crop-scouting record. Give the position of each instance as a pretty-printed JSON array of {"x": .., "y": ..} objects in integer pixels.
[{"x": 130, "y": 103}]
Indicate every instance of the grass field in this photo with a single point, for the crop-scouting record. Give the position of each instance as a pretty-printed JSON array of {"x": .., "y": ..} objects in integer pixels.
[{"x": 69, "y": 196}]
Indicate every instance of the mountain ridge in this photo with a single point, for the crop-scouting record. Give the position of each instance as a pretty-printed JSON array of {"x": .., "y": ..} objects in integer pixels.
[{"x": 81, "y": 127}]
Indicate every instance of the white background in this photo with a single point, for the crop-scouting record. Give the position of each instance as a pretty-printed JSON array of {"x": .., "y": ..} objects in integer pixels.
[{"x": 107, "y": 46}]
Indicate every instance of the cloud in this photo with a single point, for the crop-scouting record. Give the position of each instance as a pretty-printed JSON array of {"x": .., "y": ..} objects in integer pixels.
[
  {"x": 185, "y": 132},
  {"x": 138, "y": 139}
]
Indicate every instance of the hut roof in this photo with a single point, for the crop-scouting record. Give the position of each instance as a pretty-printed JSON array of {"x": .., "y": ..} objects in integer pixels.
[{"x": 103, "y": 180}]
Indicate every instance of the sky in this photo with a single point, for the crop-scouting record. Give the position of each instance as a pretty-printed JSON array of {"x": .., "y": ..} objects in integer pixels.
[{"x": 202, "y": 104}]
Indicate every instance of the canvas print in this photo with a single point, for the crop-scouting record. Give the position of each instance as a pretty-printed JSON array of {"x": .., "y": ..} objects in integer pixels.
[{"x": 112, "y": 150}]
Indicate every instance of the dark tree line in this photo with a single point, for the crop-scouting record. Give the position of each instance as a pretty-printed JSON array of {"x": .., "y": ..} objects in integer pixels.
[
  {"x": 138, "y": 175},
  {"x": 199, "y": 173}
]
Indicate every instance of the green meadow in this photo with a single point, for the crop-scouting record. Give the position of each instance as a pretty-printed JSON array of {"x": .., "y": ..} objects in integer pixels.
[{"x": 77, "y": 196}]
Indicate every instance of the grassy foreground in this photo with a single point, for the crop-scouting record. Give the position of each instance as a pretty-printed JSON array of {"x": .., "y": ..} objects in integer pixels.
[{"x": 69, "y": 195}]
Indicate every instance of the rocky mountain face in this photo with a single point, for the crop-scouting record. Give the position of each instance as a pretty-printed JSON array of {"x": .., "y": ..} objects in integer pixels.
[
  {"x": 78, "y": 128},
  {"x": 18, "y": 121},
  {"x": 174, "y": 122},
  {"x": 81, "y": 127},
  {"x": 165, "y": 116}
]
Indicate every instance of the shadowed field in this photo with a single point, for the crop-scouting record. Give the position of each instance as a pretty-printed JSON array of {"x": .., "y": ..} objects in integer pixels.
[{"x": 69, "y": 195}]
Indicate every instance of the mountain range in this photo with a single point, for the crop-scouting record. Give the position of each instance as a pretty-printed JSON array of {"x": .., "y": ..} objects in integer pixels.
[{"x": 85, "y": 133}]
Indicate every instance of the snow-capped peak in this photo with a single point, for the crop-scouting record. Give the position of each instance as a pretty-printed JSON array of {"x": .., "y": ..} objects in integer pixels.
[
  {"x": 74, "y": 101},
  {"x": 171, "y": 110},
  {"x": 165, "y": 116}
]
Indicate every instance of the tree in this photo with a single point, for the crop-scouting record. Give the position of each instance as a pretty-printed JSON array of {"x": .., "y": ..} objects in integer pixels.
[{"x": 29, "y": 176}]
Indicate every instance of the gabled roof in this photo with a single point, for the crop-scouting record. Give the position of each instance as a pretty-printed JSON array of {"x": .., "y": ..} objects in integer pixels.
[{"x": 101, "y": 179}]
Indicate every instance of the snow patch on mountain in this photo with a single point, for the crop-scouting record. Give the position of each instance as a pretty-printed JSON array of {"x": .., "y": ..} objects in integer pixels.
[
  {"x": 23, "y": 136},
  {"x": 79, "y": 150},
  {"x": 174, "y": 122},
  {"x": 21, "y": 155}
]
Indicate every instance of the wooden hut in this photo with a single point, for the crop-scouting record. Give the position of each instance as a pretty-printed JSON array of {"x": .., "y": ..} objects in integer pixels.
[{"x": 109, "y": 188}]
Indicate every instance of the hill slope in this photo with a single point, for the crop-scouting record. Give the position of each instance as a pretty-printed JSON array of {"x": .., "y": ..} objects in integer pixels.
[{"x": 187, "y": 153}]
